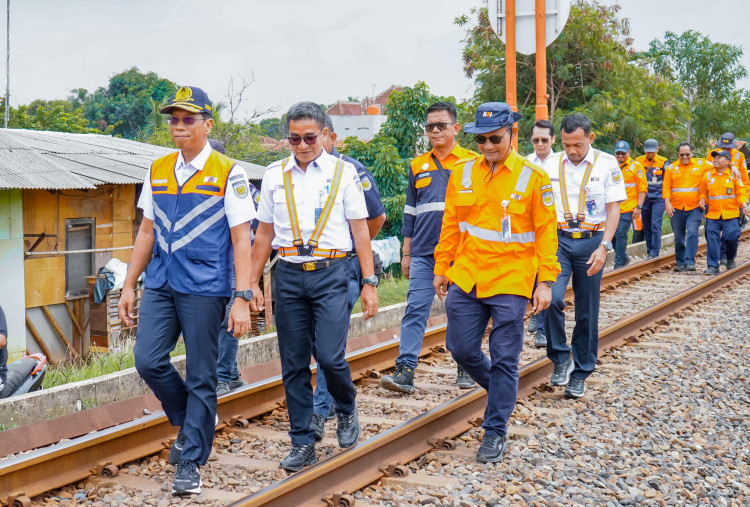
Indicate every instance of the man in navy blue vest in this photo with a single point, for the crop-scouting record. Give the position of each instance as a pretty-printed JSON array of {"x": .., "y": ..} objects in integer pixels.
[{"x": 195, "y": 229}]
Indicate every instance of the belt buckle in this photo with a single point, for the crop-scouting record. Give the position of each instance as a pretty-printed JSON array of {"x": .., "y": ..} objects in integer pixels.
[
  {"x": 308, "y": 266},
  {"x": 573, "y": 224},
  {"x": 576, "y": 234},
  {"x": 305, "y": 250}
]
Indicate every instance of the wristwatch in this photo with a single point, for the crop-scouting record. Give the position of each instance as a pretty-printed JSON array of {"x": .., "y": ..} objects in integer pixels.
[
  {"x": 608, "y": 245},
  {"x": 548, "y": 283},
  {"x": 246, "y": 294},
  {"x": 370, "y": 280},
  {"x": 639, "y": 206}
]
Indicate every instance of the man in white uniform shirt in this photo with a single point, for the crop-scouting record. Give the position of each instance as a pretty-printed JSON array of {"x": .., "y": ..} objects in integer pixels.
[
  {"x": 542, "y": 138},
  {"x": 588, "y": 188},
  {"x": 308, "y": 203}
]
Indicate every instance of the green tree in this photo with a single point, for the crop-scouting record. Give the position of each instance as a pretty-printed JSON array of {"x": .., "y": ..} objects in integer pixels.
[
  {"x": 271, "y": 127},
  {"x": 707, "y": 72},
  {"x": 126, "y": 103},
  {"x": 48, "y": 116}
]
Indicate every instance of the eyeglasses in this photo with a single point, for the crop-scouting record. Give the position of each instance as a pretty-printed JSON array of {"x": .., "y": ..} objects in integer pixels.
[
  {"x": 187, "y": 120},
  {"x": 441, "y": 126},
  {"x": 480, "y": 139},
  {"x": 309, "y": 139},
  {"x": 540, "y": 140},
  {"x": 681, "y": 155}
]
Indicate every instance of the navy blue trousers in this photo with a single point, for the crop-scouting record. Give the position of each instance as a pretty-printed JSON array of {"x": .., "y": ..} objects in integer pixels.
[
  {"x": 312, "y": 315},
  {"x": 190, "y": 403},
  {"x": 621, "y": 237},
  {"x": 652, "y": 215},
  {"x": 573, "y": 255},
  {"x": 685, "y": 226},
  {"x": 721, "y": 232},
  {"x": 468, "y": 316}
]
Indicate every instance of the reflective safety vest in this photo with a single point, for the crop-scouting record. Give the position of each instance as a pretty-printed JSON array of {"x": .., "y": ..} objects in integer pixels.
[
  {"x": 681, "y": 183},
  {"x": 192, "y": 243},
  {"x": 499, "y": 228},
  {"x": 311, "y": 247},
  {"x": 635, "y": 182},
  {"x": 580, "y": 219},
  {"x": 654, "y": 170},
  {"x": 723, "y": 194}
]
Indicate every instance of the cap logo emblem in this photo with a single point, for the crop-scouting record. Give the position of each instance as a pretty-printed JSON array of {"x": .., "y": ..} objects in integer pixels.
[
  {"x": 487, "y": 114},
  {"x": 184, "y": 94}
]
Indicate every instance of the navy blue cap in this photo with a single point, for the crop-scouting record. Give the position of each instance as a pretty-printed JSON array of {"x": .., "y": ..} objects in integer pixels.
[
  {"x": 651, "y": 146},
  {"x": 189, "y": 98},
  {"x": 492, "y": 116},
  {"x": 622, "y": 146},
  {"x": 722, "y": 153},
  {"x": 216, "y": 145},
  {"x": 727, "y": 141}
]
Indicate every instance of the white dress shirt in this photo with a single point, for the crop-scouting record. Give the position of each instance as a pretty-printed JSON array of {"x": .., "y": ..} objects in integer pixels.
[
  {"x": 534, "y": 158},
  {"x": 605, "y": 184},
  {"x": 238, "y": 209},
  {"x": 311, "y": 189}
]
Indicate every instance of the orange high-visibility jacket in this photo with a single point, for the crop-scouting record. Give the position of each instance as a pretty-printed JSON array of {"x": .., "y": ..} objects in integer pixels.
[
  {"x": 472, "y": 236},
  {"x": 738, "y": 161},
  {"x": 634, "y": 177},
  {"x": 724, "y": 194},
  {"x": 681, "y": 183}
]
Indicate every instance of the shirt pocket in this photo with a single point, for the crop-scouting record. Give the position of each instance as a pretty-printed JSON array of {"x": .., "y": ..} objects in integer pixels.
[
  {"x": 516, "y": 208},
  {"x": 466, "y": 199},
  {"x": 423, "y": 182}
]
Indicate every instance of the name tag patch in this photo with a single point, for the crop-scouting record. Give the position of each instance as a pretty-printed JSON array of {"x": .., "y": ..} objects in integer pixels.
[{"x": 158, "y": 182}]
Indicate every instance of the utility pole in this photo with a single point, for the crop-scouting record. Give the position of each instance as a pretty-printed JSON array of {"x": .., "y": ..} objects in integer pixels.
[{"x": 7, "y": 65}]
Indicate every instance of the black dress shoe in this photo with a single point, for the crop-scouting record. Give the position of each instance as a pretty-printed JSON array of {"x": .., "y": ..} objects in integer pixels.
[
  {"x": 300, "y": 456},
  {"x": 347, "y": 430}
]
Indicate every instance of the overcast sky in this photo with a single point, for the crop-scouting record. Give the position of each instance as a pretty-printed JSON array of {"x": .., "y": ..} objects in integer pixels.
[{"x": 319, "y": 50}]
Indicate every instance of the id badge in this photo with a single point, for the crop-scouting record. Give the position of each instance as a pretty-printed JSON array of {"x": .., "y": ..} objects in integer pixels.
[
  {"x": 729, "y": 190},
  {"x": 318, "y": 212},
  {"x": 591, "y": 207},
  {"x": 654, "y": 180},
  {"x": 505, "y": 228}
]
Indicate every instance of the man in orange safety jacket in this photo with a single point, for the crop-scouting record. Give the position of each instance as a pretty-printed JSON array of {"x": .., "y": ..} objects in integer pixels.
[{"x": 634, "y": 178}]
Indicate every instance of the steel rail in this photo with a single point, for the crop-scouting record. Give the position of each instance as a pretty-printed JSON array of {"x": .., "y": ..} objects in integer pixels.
[{"x": 367, "y": 462}]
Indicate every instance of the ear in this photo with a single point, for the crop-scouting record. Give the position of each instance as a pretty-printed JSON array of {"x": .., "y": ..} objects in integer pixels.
[
  {"x": 334, "y": 136},
  {"x": 209, "y": 125},
  {"x": 457, "y": 128},
  {"x": 324, "y": 132},
  {"x": 592, "y": 136}
]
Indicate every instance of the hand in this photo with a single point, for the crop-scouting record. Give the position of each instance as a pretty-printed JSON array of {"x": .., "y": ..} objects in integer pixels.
[
  {"x": 440, "y": 283},
  {"x": 405, "y": 265},
  {"x": 369, "y": 299},
  {"x": 746, "y": 211},
  {"x": 257, "y": 304},
  {"x": 636, "y": 212},
  {"x": 702, "y": 203},
  {"x": 239, "y": 318},
  {"x": 541, "y": 299},
  {"x": 125, "y": 306},
  {"x": 669, "y": 208},
  {"x": 597, "y": 260}
]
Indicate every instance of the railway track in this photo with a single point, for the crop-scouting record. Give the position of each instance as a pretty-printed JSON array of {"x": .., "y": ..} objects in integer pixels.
[{"x": 441, "y": 416}]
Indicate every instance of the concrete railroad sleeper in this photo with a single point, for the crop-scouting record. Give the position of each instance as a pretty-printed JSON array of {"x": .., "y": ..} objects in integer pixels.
[{"x": 99, "y": 453}]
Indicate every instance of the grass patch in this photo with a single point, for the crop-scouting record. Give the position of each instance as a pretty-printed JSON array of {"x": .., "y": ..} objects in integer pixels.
[
  {"x": 96, "y": 365},
  {"x": 390, "y": 292}
]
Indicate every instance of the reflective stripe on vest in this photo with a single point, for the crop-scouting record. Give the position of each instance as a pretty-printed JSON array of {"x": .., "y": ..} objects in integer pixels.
[
  {"x": 685, "y": 190},
  {"x": 523, "y": 179},
  {"x": 721, "y": 197},
  {"x": 430, "y": 206},
  {"x": 496, "y": 236},
  {"x": 466, "y": 176},
  {"x": 581, "y": 195},
  {"x": 187, "y": 238},
  {"x": 629, "y": 185},
  {"x": 312, "y": 243},
  {"x": 410, "y": 210}
]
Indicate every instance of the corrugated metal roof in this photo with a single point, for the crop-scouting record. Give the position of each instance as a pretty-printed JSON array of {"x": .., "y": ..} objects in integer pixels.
[{"x": 60, "y": 160}]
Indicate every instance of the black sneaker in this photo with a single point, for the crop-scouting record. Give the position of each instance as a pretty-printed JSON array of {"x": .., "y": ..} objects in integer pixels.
[
  {"x": 679, "y": 268},
  {"x": 318, "y": 426},
  {"x": 492, "y": 449},
  {"x": 723, "y": 261},
  {"x": 730, "y": 264},
  {"x": 331, "y": 412},
  {"x": 540, "y": 340},
  {"x": 402, "y": 380},
  {"x": 561, "y": 373},
  {"x": 175, "y": 452},
  {"x": 711, "y": 271},
  {"x": 689, "y": 267},
  {"x": 226, "y": 386},
  {"x": 187, "y": 480},
  {"x": 347, "y": 429},
  {"x": 533, "y": 324},
  {"x": 576, "y": 388},
  {"x": 651, "y": 257},
  {"x": 463, "y": 380},
  {"x": 300, "y": 456}
]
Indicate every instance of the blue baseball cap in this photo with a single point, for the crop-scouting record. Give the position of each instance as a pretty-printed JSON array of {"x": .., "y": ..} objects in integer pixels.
[
  {"x": 727, "y": 141},
  {"x": 722, "y": 153},
  {"x": 492, "y": 116},
  {"x": 622, "y": 147},
  {"x": 651, "y": 146},
  {"x": 189, "y": 98}
]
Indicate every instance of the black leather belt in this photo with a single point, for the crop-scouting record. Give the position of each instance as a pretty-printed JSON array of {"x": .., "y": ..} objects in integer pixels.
[
  {"x": 313, "y": 265},
  {"x": 578, "y": 234}
]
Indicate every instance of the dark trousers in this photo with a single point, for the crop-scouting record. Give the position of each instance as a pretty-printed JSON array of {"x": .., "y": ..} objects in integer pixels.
[
  {"x": 621, "y": 237},
  {"x": 573, "y": 255},
  {"x": 468, "y": 316},
  {"x": 312, "y": 304},
  {"x": 190, "y": 403},
  {"x": 652, "y": 214},
  {"x": 685, "y": 226},
  {"x": 720, "y": 232}
]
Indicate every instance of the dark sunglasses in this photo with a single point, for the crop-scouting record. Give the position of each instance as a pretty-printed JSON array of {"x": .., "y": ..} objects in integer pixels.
[
  {"x": 540, "y": 140},
  {"x": 480, "y": 139},
  {"x": 441, "y": 126},
  {"x": 309, "y": 139},
  {"x": 685, "y": 155},
  {"x": 187, "y": 120}
]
